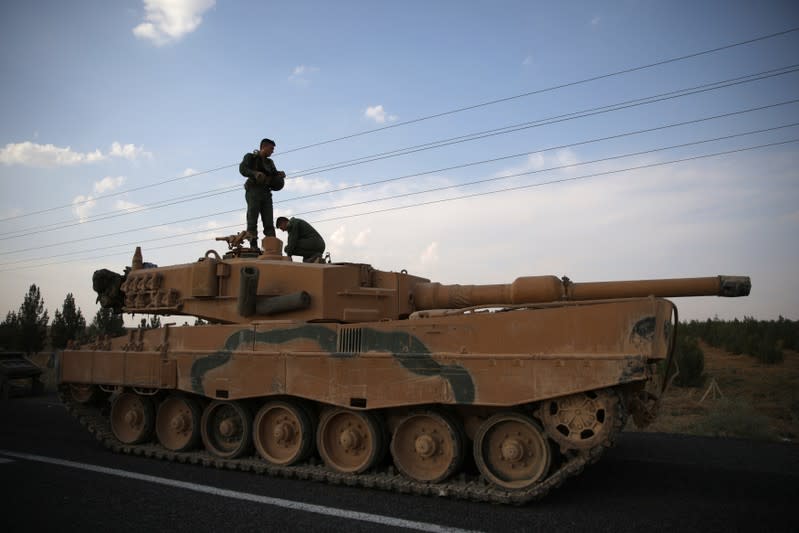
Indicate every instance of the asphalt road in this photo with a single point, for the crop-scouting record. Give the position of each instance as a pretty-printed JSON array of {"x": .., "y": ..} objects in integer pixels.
[{"x": 55, "y": 477}]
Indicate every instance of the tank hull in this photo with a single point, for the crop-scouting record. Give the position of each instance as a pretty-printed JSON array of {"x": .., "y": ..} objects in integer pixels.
[
  {"x": 415, "y": 396},
  {"x": 488, "y": 359}
]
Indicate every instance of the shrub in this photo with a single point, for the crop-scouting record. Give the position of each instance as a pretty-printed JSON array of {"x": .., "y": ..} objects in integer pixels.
[{"x": 690, "y": 361}]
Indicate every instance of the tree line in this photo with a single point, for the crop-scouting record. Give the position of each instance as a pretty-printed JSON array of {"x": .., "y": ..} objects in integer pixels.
[
  {"x": 765, "y": 340},
  {"x": 28, "y": 330}
]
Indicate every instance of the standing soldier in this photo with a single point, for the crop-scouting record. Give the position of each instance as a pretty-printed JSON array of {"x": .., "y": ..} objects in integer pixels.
[
  {"x": 262, "y": 179},
  {"x": 304, "y": 240}
]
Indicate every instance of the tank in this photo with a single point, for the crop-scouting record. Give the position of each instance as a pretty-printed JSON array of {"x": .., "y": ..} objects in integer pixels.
[{"x": 343, "y": 373}]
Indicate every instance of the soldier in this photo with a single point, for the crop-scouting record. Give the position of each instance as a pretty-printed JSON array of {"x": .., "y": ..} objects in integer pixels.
[
  {"x": 262, "y": 179},
  {"x": 304, "y": 240}
]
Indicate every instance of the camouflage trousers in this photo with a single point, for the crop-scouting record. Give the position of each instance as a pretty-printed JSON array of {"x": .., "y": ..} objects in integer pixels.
[
  {"x": 259, "y": 202},
  {"x": 309, "y": 249}
]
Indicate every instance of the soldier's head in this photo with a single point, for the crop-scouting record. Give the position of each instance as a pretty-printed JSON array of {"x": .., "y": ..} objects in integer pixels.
[
  {"x": 282, "y": 223},
  {"x": 267, "y": 147}
]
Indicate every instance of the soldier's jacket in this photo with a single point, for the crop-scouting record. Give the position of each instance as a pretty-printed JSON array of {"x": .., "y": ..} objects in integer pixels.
[
  {"x": 299, "y": 230},
  {"x": 252, "y": 163}
]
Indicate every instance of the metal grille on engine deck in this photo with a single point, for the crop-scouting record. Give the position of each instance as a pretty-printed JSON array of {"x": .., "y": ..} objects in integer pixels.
[{"x": 349, "y": 339}]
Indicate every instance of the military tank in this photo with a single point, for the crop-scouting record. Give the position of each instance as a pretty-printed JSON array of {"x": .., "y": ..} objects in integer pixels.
[{"x": 344, "y": 373}]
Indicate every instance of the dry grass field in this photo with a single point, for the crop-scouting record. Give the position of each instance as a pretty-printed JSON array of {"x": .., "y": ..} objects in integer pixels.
[{"x": 758, "y": 400}]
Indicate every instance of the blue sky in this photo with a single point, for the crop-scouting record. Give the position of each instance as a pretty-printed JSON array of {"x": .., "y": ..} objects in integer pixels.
[{"x": 106, "y": 107}]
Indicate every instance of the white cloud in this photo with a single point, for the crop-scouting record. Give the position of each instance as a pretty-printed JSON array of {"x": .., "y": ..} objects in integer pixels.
[
  {"x": 596, "y": 20},
  {"x": 12, "y": 212},
  {"x": 360, "y": 240},
  {"x": 527, "y": 61},
  {"x": 303, "y": 185},
  {"x": 45, "y": 155},
  {"x": 108, "y": 184},
  {"x": 124, "y": 205},
  {"x": 378, "y": 114},
  {"x": 128, "y": 151},
  {"x": 82, "y": 206},
  {"x": 429, "y": 256},
  {"x": 167, "y": 21},
  {"x": 301, "y": 74},
  {"x": 338, "y": 237},
  {"x": 48, "y": 155}
]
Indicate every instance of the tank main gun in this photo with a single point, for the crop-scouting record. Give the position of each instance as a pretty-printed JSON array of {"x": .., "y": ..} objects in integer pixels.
[{"x": 540, "y": 289}]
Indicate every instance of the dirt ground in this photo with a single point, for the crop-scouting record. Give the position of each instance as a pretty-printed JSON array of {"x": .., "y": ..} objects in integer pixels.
[{"x": 752, "y": 400}]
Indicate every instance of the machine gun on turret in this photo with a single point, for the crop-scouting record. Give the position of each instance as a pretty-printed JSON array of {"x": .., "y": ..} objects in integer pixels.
[{"x": 234, "y": 242}]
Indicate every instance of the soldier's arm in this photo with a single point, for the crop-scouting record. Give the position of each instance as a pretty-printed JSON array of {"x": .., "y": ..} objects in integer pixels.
[
  {"x": 269, "y": 167},
  {"x": 293, "y": 236},
  {"x": 246, "y": 167},
  {"x": 276, "y": 177}
]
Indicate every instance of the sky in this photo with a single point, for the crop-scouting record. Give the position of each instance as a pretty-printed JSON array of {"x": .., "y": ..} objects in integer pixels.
[{"x": 463, "y": 141}]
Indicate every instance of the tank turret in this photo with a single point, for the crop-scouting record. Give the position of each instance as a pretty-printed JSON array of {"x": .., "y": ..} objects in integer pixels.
[{"x": 240, "y": 290}]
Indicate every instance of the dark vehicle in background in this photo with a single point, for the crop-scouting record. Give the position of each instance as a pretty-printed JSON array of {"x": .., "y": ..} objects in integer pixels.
[{"x": 15, "y": 370}]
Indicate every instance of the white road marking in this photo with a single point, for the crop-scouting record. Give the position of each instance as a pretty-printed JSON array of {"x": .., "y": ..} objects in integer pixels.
[{"x": 278, "y": 502}]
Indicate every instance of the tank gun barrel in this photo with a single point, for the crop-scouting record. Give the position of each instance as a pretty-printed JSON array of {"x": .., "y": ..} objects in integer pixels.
[{"x": 539, "y": 289}]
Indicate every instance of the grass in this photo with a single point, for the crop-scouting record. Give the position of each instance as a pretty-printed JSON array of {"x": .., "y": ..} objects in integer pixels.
[{"x": 760, "y": 401}]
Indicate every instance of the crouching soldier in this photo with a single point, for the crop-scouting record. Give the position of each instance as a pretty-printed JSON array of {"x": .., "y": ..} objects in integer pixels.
[{"x": 303, "y": 239}]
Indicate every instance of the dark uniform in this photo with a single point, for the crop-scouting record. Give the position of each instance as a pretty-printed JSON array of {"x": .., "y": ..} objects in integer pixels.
[
  {"x": 304, "y": 240},
  {"x": 259, "y": 196}
]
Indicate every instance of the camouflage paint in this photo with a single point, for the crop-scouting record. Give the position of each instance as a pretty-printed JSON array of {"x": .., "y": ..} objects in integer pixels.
[
  {"x": 406, "y": 349},
  {"x": 645, "y": 328}
]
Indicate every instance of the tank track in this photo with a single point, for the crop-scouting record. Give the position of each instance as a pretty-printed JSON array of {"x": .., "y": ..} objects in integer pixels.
[{"x": 461, "y": 486}]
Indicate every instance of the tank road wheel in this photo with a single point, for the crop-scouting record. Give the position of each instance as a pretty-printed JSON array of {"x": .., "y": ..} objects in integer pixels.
[
  {"x": 580, "y": 421},
  {"x": 511, "y": 451},
  {"x": 349, "y": 441},
  {"x": 226, "y": 429},
  {"x": 177, "y": 424},
  {"x": 132, "y": 418},
  {"x": 82, "y": 393},
  {"x": 427, "y": 446},
  {"x": 283, "y": 433}
]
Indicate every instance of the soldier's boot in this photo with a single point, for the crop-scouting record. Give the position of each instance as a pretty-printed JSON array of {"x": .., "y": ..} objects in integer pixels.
[{"x": 253, "y": 238}]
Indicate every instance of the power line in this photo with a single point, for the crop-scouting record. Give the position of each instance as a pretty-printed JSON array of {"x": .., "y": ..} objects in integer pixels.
[
  {"x": 433, "y": 145},
  {"x": 117, "y": 193},
  {"x": 552, "y": 88},
  {"x": 562, "y": 118},
  {"x": 561, "y": 180},
  {"x": 235, "y": 210},
  {"x": 683, "y": 145},
  {"x": 582, "y": 163},
  {"x": 484, "y": 193},
  {"x": 131, "y": 243},
  {"x": 436, "y": 115}
]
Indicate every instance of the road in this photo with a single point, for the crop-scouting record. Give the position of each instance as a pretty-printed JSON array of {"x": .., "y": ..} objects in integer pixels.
[{"x": 56, "y": 477}]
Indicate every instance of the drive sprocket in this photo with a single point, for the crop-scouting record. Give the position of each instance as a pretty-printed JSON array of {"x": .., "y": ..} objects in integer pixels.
[{"x": 583, "y": 420}]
